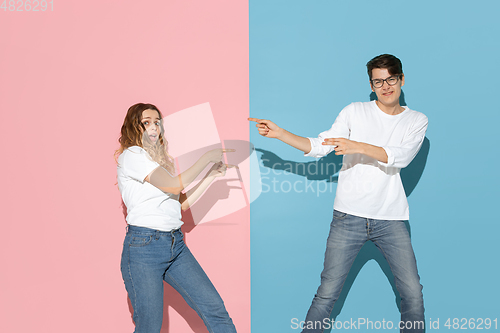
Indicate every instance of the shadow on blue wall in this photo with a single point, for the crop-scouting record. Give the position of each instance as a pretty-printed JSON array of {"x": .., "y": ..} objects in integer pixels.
[{"x": 410, "y": 177}]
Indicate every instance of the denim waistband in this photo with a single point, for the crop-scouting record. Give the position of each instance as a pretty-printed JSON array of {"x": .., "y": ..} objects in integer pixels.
[{"x": 148, "y": 231}]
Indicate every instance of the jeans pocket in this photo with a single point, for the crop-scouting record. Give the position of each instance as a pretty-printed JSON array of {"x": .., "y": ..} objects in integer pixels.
[
  {"x": 339, "y": 215},
  {"x": 140, "y": 240}
]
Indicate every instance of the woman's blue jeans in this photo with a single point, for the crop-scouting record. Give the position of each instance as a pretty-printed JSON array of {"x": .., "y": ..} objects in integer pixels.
[
  {"x": 348, "y": 233},
  {"x": 150, "y": 257}
]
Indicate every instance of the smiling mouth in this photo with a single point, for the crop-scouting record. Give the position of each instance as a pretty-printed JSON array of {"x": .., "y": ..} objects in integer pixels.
[{"x": 388, "y": 93}]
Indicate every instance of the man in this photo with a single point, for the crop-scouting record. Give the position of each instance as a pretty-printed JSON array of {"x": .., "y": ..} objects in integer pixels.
[{"x": 376, "y": 139}]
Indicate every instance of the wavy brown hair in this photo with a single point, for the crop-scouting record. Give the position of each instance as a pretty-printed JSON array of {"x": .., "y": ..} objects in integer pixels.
[{"x": 132, "y": 134}]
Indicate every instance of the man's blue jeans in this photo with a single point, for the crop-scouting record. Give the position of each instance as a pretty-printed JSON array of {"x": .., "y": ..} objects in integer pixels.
[
  {"x": 150, "y": 257},
  {"x": 348, "y": 233}
]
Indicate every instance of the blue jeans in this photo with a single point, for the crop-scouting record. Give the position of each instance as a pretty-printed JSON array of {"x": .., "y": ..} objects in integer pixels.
[
  {"x": 150, "y": 257},
  {"x": 348, "y": 233}
]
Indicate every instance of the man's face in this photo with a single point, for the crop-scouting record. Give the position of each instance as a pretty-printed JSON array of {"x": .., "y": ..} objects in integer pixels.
[{"x": 387, "y": 95}]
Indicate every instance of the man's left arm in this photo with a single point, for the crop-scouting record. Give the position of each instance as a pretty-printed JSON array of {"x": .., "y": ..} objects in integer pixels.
[{"x": 392, "y": 156}]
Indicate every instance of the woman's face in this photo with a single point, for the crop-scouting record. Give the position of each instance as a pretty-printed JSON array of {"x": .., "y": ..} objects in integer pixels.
[{"x": 151, "y": 121}]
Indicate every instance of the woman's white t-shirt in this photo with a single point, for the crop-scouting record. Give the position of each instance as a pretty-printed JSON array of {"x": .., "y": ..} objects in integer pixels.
[{"x": 147, "y": 206}]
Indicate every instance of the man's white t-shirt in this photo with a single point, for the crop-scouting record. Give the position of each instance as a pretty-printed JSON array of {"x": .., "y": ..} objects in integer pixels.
[
  {"x": 367, "y": 187},
  {"x": 147, "y": 206}
]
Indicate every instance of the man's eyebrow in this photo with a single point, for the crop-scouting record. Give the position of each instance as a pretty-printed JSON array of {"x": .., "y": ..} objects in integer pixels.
[{"x": 385, "y": 78}]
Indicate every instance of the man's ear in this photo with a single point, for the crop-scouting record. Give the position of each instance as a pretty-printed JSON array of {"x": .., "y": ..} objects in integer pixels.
[{"x": 371, "y": 86}]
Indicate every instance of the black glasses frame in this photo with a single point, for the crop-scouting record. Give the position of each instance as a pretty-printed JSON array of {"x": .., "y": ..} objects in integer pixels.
[{"x": 398, "y": 77}]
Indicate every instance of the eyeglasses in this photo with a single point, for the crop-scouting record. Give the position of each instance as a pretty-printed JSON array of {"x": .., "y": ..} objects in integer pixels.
[{"x": 391, "y": 80}]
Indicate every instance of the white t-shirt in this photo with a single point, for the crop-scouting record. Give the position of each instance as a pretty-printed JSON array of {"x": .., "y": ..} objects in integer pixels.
[
  {"x": 147, "y": 206},
  {"x": 367, "y": 187}
]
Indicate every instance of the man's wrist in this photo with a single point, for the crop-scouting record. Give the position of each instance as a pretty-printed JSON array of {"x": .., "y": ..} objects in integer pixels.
[{"x": 280, "y": 133}]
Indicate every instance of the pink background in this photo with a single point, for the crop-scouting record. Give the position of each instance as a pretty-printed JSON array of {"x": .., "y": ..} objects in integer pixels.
[{"x": 67, "y": 78}]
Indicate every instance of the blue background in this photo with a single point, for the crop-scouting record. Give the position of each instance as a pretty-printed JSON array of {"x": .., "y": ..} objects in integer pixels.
[{"x": 307, "y": 62}]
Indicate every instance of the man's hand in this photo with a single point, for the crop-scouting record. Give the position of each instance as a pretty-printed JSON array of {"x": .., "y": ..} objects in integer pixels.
[
  {"x": 267, "y": 128},
  {"x": 270, "y": 130},
  {"x": 347, "y": 147},
  {"x": 344, "y": 146}
]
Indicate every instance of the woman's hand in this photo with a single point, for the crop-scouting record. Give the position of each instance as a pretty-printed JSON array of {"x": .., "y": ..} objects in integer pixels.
[
  {"x": 219, "y": 169},
  {"x": 215, "y": 155}
]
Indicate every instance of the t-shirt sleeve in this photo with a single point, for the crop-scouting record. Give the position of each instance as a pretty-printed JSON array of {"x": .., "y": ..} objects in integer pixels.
[
  {"x": 339, "y": 129},
  {"x": 401, "y": 156},
  {"x": 137, "y": 164}
]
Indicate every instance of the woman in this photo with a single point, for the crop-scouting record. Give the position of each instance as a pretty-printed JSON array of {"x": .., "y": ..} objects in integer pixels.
[{"x": 154, "y": 249}]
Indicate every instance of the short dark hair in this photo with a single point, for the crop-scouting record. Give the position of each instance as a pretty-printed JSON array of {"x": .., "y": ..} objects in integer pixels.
[{"x": 388, "y": 61}]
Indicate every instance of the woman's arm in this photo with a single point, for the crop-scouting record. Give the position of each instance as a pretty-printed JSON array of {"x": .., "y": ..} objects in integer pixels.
[
  {"x": 167, "y": 183},
  {"x": 190, "y": 197}
]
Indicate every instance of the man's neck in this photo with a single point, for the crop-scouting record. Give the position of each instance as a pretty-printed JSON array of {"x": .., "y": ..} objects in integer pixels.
[{"x": 390, "y": 109}]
